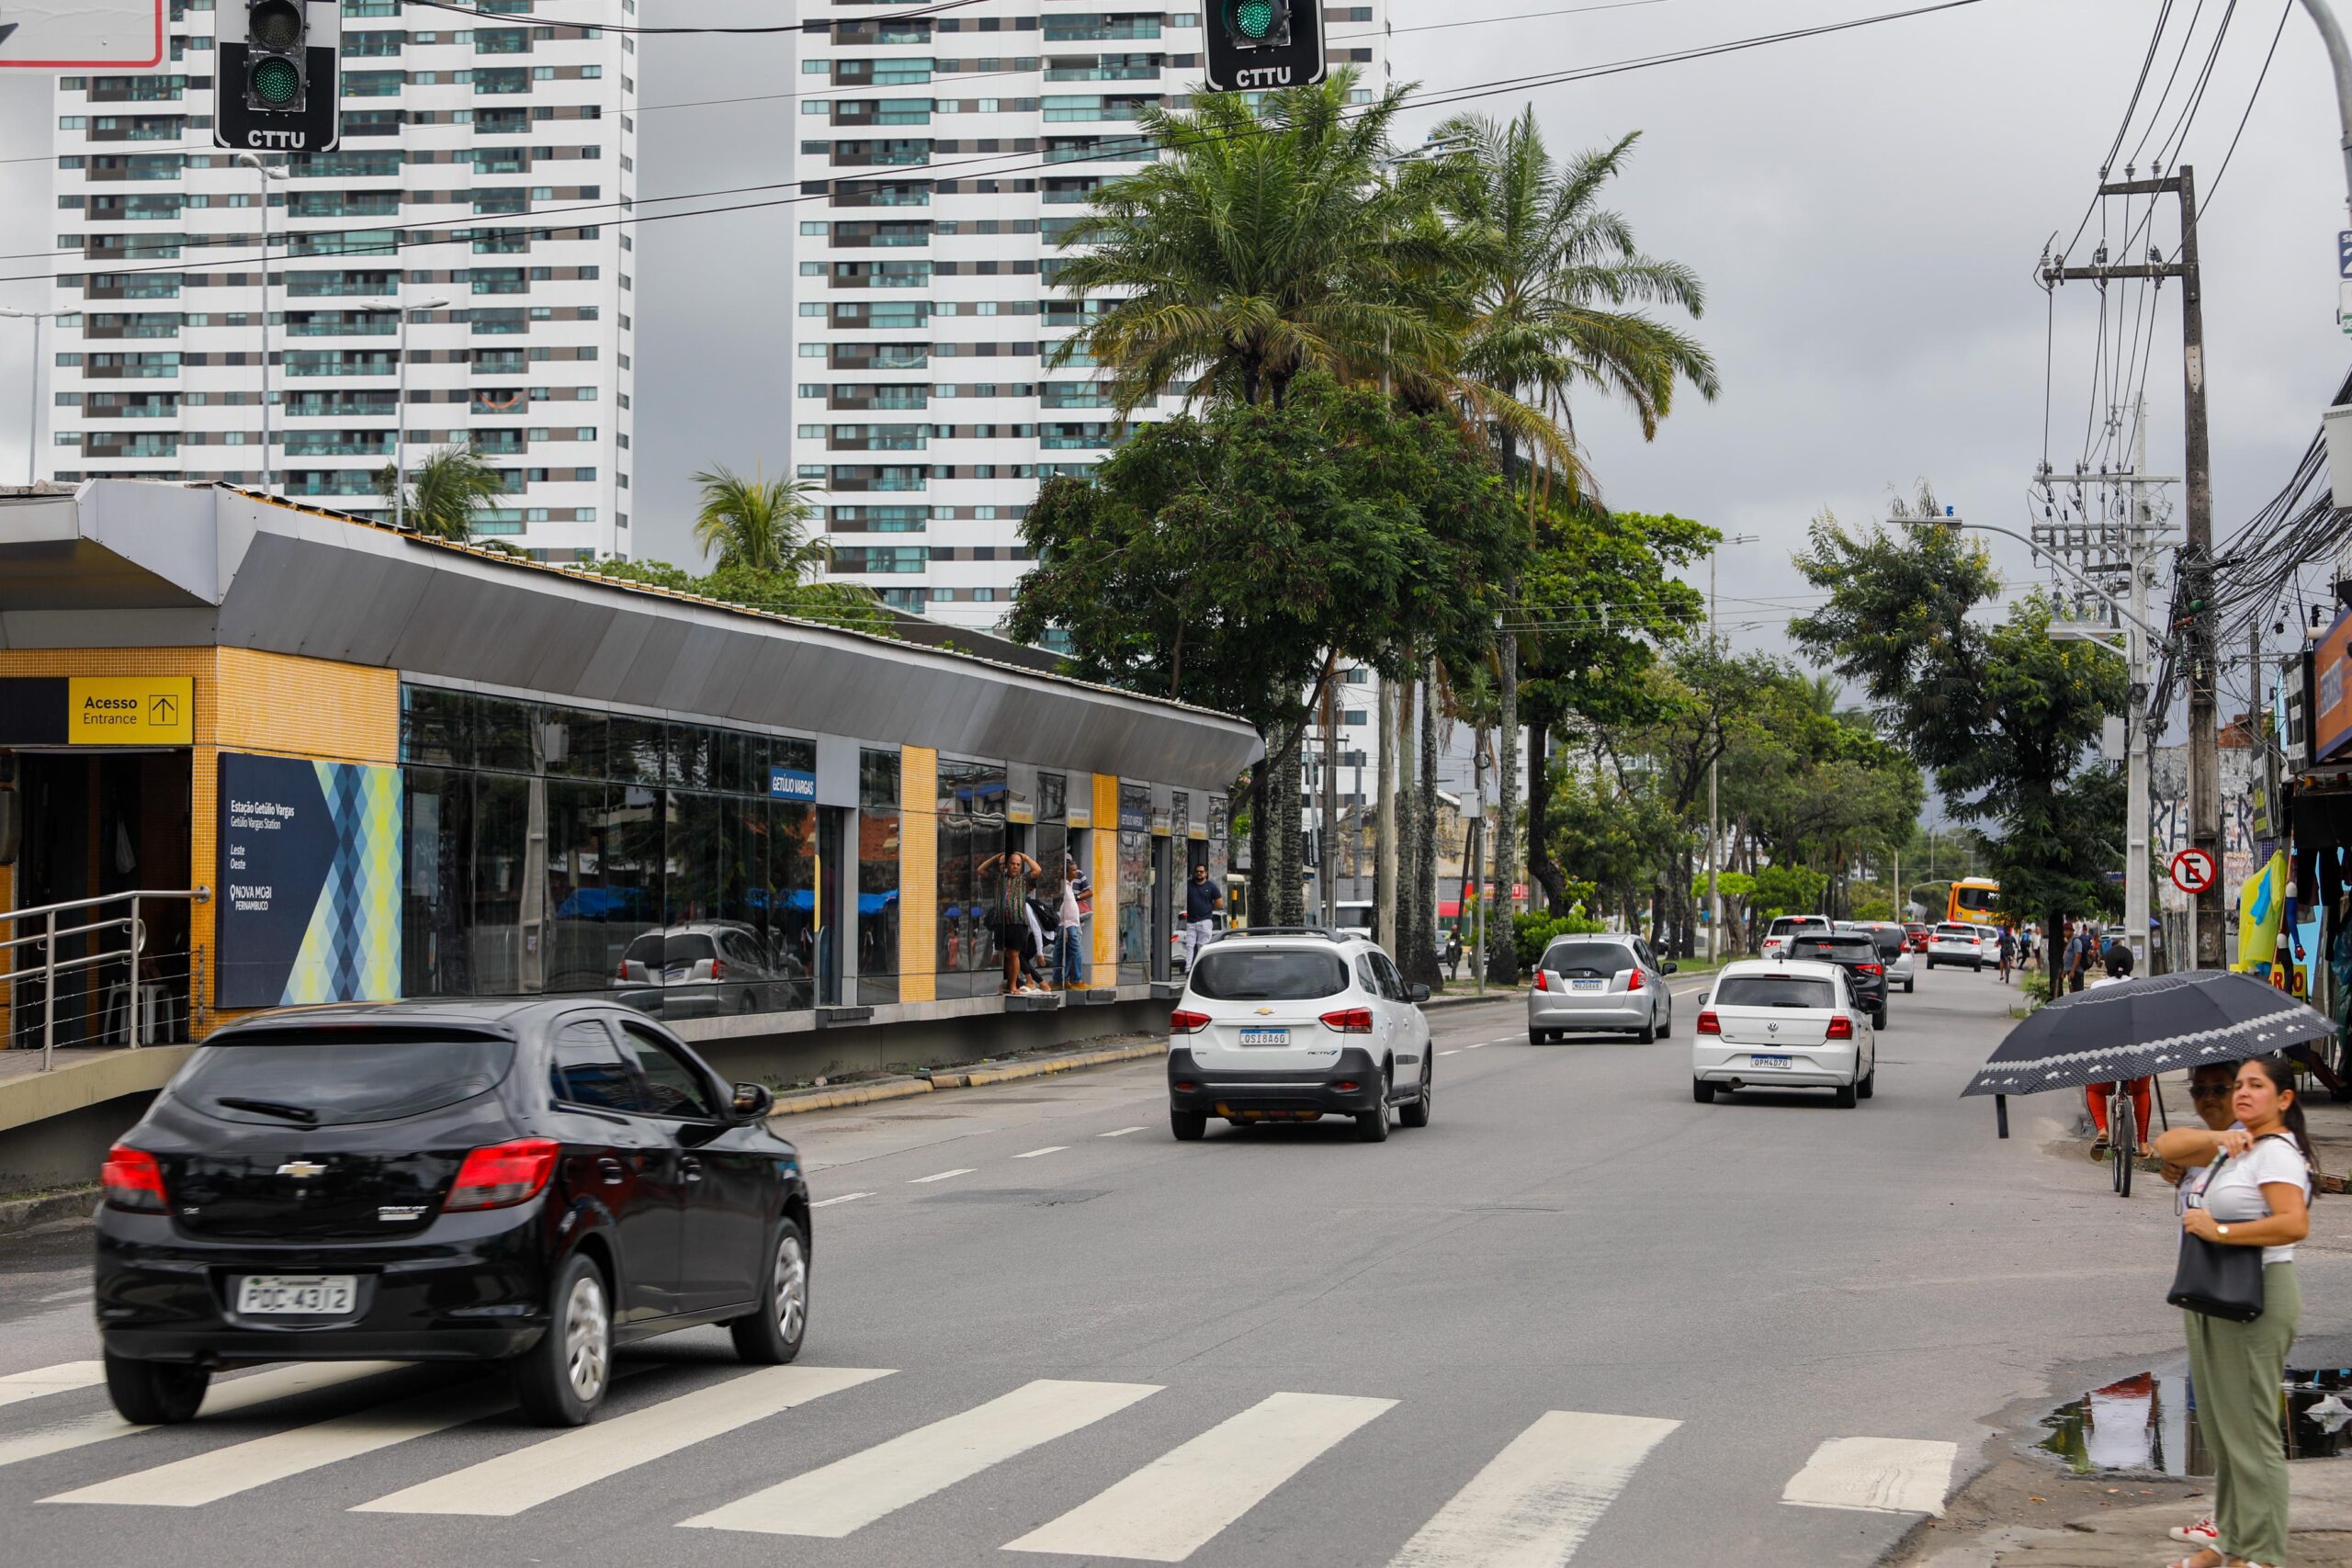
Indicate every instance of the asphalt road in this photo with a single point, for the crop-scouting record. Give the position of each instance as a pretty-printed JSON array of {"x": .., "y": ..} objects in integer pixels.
[{"x": 1578, "y": 1316}]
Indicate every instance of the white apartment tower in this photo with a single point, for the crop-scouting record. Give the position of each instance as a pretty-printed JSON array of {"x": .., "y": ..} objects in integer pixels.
[
  {"x": 484, "y": 163},
  {"x": 942, "y": 156}
]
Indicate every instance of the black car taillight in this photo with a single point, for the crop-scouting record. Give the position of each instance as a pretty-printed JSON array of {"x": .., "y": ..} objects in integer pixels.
[
  {"x": 132, "y": 1179},
  {"x": 499, "y": 1175}
]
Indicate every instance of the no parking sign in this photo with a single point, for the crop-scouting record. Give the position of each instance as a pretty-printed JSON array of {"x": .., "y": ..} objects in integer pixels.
[{"x": 2193, "y": 870}]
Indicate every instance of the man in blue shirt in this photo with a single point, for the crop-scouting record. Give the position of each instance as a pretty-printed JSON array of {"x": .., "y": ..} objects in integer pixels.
[{"x": 1203, "y": 900}]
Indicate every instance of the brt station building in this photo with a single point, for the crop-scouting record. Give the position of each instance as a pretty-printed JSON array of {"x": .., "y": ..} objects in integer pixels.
[{"x": 254, "y": 754}]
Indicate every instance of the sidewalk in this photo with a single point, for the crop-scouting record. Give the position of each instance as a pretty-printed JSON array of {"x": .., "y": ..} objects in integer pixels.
[{"x": 2319, "y": 1523}]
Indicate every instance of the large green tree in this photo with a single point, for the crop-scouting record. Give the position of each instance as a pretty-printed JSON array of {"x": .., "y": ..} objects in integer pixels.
[{"x": 2002, "y": 715}]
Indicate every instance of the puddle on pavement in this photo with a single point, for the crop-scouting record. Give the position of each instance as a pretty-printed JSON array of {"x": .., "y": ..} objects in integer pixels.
[{"x": 2148, "y": 1423}]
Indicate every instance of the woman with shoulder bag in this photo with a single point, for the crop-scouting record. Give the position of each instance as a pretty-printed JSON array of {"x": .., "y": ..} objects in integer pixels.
[{"x": 2254, "y": 1192}]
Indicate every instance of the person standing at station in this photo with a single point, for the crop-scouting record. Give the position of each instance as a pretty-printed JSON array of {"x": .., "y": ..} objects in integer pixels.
[
  {"x": 1203, "y": 900},
  {"x": 1069, "y": 938}
]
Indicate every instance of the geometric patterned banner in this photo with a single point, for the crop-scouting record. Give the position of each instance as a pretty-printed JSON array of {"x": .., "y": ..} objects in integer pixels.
[
  {"x": 311, "y": 866},
  {"x": 351, "y": 950}
]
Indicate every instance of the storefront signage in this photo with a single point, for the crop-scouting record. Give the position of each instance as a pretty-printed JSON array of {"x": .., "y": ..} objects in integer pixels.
[
  {"x": 98, "y": 710},
  {"x": 791, "y": 784},
  {"x": 2331, "y": 708},
  {"x": 309, "y": 879}
]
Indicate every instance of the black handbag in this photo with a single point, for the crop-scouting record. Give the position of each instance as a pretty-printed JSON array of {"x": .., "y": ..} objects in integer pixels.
[{"x": 2214, "y": 1280}]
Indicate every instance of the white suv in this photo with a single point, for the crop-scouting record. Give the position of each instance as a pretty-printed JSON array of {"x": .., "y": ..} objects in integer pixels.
[
  {"x": 1289, "y": 1024},
  {"x": 1785, "y": 927}
]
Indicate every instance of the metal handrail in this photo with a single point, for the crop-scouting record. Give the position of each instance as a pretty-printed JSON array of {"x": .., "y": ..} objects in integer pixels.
[{"x": 50, "y": 966}]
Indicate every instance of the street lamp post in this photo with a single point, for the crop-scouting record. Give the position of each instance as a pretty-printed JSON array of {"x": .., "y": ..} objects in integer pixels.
[
  {"x": 253, "y": 161},
  {"x": 32, "y": 392},
  {"x": 2339, "y": 59},
  {"x": 1714, "y": 824},
  {"x": 399, "y": 414}
]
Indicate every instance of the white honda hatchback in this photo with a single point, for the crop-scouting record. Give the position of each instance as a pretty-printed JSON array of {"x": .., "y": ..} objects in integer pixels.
[
  {"x": 1290, "y": 1024},
  {"x": 1783, "y": 1023}
]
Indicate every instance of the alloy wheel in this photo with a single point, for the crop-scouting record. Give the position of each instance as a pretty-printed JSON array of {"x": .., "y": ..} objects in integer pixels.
[
  {"x": 587, "y": 1338},
  {"x": 791, "y": 1287}
]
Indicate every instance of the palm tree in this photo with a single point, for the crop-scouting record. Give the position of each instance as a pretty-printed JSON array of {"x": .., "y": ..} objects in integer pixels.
[
  {"x": 761, "y": 524},
  {"x": 1262, "y": 244},
  {"x": 444, "y": 490}
]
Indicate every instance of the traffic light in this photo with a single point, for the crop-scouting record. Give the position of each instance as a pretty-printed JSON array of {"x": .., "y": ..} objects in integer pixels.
[
  {"x": 277, "y": 68},
  {"x": 279, "y": 75},
  {"x": 1255, "y": 45}
]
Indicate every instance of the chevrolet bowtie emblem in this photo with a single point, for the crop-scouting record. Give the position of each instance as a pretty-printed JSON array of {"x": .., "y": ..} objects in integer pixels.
[
  {"x": 301, "y": 1169},
  {"x": 1264, "y": 1012}
]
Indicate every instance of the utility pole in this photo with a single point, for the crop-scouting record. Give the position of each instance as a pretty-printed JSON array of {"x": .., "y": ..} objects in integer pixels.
[
  {"x": 1328, "y": 872},
  {"x": 2194, "y": 572},
  {"x": 1714, "y": 745},
  {"x": 265, "y": 174},
  {"x": 1383, "y": 871}
]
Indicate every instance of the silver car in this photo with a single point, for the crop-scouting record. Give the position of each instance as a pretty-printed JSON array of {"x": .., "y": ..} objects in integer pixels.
[{"x": 1605, "y": 982}]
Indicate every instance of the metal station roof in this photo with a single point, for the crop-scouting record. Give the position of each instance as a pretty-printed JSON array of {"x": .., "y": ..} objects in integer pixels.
[{"x": 132, "y": 563}]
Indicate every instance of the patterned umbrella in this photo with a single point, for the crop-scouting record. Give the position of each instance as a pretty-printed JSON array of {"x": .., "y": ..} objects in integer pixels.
[{"x": 2131, "y": 1029}]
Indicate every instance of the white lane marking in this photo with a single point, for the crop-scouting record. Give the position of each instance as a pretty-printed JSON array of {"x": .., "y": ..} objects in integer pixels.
[
  {"x": 844, "y": 1198},
  {"x": 943, "y": 1175},
  {"x": 1480, "y": 1046},
  {"x": 840, "y": 1497},
  {"x": 1049, "y": 1149},
  {"x": 74, "y": 1295},
  {"x": 1535, "y": 1503},
  {"x": 223, "y": 1472},
  {"x": 549, "y": 1469},
  {"x": 1118, "y": 1133},
  {"x": 1455, "y": 1051},
  {"x": 1181, "y": 1501},
  {"x": 1888, "y": 1475},
  {"x": 60, "y": 1379},
  {"x": 220, "y": 1399}
]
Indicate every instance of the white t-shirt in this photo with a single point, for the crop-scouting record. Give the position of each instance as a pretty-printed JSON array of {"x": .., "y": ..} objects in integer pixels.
[
  {"x": 1070, "y": 914},
  {"x": 2233, "y": 1193}
]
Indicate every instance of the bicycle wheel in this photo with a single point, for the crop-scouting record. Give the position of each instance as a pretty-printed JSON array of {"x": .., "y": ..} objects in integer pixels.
[{"x": 2125, "y": 1133}]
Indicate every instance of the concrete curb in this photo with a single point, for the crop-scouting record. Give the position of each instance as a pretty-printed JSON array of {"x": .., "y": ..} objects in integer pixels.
[
  {"x": 970, "y": 1078},
  {"x": 24, "y": 1214}
]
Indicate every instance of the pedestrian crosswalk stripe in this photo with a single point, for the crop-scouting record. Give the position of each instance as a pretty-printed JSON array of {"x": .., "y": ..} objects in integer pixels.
[
  {"x": 840, "y": 1497},
  {"x": 1535, "y": 1503},
  {"x": 62, "y": 1378},
  {"x": 942, "y": 1175},
  {"x": 239, "y": 1467},
  {"x": 547, "y": 1470},
  {"x": 1181, "y": 1501},
  {"x": 844, "y": 1198},
  {"x": 1893, "y": 1475},
  {"x": 1049, "y": 1149},
  {"x": 220, "y": 1399}
]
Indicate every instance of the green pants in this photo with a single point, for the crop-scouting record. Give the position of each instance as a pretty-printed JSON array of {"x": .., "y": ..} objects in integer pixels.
[{"x": 2235, "y": 1369}]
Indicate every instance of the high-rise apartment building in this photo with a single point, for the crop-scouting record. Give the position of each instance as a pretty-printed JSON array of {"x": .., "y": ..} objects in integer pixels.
[
  {"x": 942, "y": 156},
  {"x": 483, "y": 165}
]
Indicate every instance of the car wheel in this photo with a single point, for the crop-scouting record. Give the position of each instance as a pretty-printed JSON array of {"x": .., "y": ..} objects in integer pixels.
[
  {"x": 1843, "y": 1098},
  {"x": 771, "y": 1337},
  {"x": 1372, "y": 1126},
  {"x": 1417, "y": 1113},
  {"x": 1648, "y": 1034},
  {"x": 1703, "y": 1092},
  {"x": 154, "y": 1393},
  {"x": 1909, "y": 986},
  {"x": 1190, "y": 1126},
  {"x": 1869, "y": 1085},
  {"x": 560, "y": 1381}
]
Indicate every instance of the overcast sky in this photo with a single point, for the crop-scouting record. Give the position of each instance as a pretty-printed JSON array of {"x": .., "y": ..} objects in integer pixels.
[{"x": 1866, "y": 210}]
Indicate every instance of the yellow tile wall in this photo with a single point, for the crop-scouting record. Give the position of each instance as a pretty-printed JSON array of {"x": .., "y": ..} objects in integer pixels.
[
  {"x": 1106, "y": 873},
  {"x": 918, "y": 874}
]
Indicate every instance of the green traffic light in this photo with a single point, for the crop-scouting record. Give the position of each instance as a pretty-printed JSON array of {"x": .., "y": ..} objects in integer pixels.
[
  {"x": 275, "y": 83},
  {"x": 1253, "y": 18}
]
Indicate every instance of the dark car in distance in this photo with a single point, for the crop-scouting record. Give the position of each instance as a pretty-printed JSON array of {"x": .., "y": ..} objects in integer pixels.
[
  {"x": 1856, "y": 953},
  {"x": 532, "y": 1182}
]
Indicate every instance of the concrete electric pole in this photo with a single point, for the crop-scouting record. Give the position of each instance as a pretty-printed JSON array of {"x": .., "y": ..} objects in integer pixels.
[{"x": 1714, "y": 814}]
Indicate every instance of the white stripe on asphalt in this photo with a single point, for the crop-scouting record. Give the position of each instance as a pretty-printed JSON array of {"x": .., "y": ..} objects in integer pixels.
[
  {"x": 844, "y": 1198},
  {"x": 867, "y": 1485},
  {"x": 1049, "y": 1149},
  {"x": 60, "y": 1379},
  {"x": 1118, "y": 1132},
  {"x": 1181, "y": 1501},
  {"x": 1455, "y": 1051},
  {"x": 1535, "y": 1503},
  {"x": 1480, "y": 1046},
  {"x": 223, "y": 1472},
  {"x": 1887, "y": 1475},
  {"x": 552, "y": 1467},
  {"x": 220, "y": 1399},
  {"x": 943, "y": 1175}
]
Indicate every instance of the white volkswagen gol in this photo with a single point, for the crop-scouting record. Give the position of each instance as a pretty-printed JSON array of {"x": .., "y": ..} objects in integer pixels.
[
  {"x": 1783, "y": 1023},
  {"x": 1289, "y": 1024}
]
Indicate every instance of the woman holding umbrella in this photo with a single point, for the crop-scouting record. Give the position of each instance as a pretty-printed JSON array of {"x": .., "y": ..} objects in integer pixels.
[{"x": 2254, "y": 1190}]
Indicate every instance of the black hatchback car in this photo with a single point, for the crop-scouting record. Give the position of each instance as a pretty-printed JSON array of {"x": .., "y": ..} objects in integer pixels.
[
  {"x": 1856, "y": 953},
  {"x": 531, "y": 1182}
]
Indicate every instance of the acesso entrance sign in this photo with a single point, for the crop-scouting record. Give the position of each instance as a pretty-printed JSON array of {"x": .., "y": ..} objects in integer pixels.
[
  {"x": 1260, "y": 45},
  {"x": 279, "y": 82}
]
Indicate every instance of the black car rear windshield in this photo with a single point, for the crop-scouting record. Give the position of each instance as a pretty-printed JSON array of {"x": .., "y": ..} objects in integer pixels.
[
  {"x": 1843, "y": 948},
  {"x": 1774, "y": 992},
  {"x": 327, "y": 1078},
  {"x": 1589, "y": 959},
  {"x": 1270, "y": 974}
]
